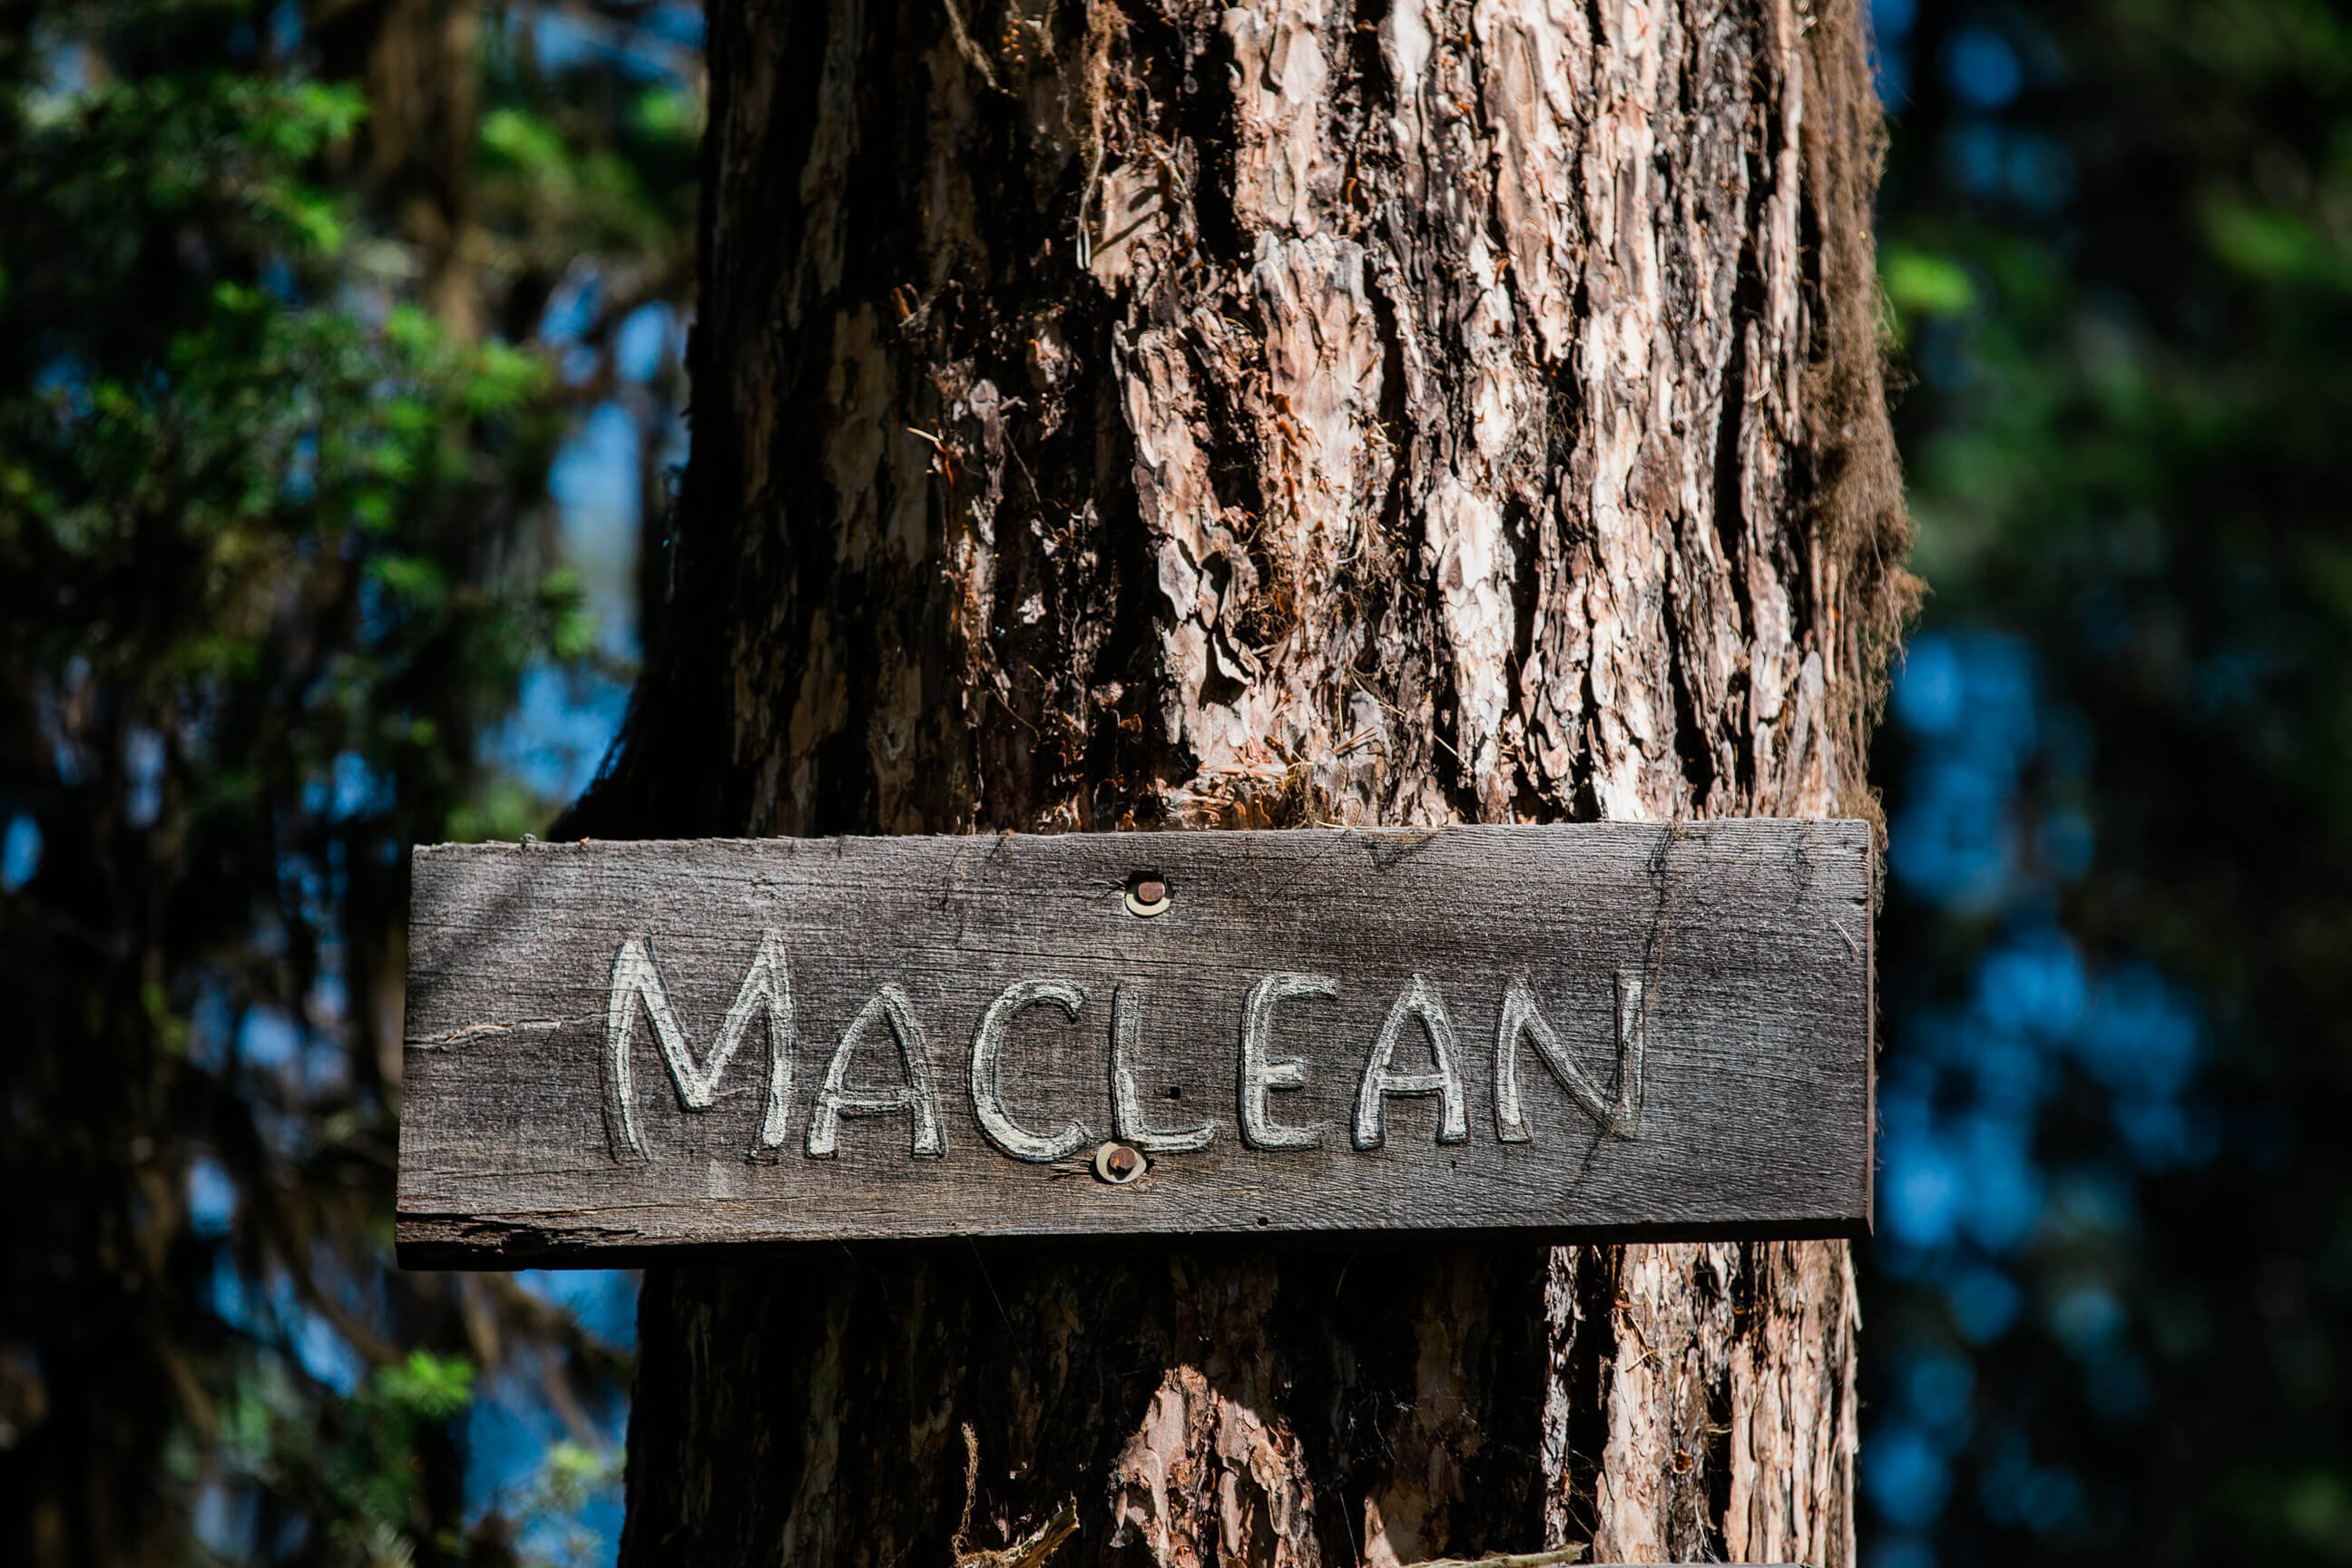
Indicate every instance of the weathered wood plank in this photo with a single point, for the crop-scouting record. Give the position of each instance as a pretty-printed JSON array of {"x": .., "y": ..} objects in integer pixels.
[{"x": 614, "y": 1047}]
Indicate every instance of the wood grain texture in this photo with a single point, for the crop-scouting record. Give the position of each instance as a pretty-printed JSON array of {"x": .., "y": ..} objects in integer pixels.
[{"x": 1740, "y": 949}]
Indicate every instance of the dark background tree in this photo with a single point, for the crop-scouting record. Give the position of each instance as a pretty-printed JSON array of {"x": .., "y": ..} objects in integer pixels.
[
  {"x": 2112, "y": 1319},
  {"x": 276, "y": 556}
]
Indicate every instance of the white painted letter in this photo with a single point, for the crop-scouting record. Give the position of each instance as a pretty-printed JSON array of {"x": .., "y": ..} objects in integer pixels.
[
  {"x": 1126, "y": 1100},
  {"x": 836, "y": 1099},
  {"x": 1623, "y": 1119},
  {"x": 767, "y": 986},
  {"x": 1260, "y": 1073},
  {"x": 1381, "y": 1079},
  {"x": 987, "y": 1081}
]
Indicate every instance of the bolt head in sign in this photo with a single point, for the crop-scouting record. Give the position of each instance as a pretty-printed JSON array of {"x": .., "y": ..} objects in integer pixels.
[{"x": 1118, "y": 1163}]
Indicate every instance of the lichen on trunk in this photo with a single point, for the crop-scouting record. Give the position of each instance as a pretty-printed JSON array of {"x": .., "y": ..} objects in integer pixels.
[{"x": 1153, "y": 416}]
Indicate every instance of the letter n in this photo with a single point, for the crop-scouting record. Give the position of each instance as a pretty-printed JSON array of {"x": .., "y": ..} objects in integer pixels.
[{"x": 1522, "y": 1019}]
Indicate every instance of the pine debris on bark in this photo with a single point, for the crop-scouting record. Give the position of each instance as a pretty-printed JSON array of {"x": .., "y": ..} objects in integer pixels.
[
  {"x": 1508, "y": 1559},
  {"x": 1032, "y": 1550}
]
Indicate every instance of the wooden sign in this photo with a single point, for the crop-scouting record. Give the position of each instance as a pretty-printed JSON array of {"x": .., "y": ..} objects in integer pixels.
[{"x": 1605, "y": 1030}]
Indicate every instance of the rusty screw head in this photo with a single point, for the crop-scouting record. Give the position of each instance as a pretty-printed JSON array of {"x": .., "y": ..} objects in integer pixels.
[
  {"x": 1120, "y": 1163},
  {"x": 1146, "y": 895}
]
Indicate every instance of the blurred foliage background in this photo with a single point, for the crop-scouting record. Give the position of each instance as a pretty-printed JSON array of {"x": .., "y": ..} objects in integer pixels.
[
  {"x": 339, "y": 347},
  {"x": 338, "y": 390},
  {"x": 2110, "y": 1312}
]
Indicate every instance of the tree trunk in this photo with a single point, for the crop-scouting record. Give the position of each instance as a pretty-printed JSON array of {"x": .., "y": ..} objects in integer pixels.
[{"x": 1129, "y": 417}]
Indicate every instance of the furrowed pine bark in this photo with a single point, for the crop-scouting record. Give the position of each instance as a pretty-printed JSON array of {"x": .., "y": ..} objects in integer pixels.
[{"x": 1130, "y": 415}]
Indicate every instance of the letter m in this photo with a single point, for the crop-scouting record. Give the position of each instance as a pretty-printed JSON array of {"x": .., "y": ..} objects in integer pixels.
[{"x": 766, "y": 988}]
